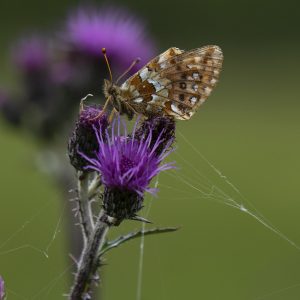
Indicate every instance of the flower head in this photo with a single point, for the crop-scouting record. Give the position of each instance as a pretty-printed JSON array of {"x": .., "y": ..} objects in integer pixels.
[
  {"x": 88, "y": 30},
  {"x": 127, "y": 165},
  {"x": 31, "y": 54},
  {"x": 83, "y": 138},
  {"x": 125, "y": 162}
]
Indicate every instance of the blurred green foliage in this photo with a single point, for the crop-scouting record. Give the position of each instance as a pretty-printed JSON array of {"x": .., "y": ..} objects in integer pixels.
[{"x": 249, "y": 129}]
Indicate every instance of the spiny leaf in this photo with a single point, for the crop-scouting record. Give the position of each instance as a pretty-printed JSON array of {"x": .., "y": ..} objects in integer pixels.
[{"x": 133, "y": 235}]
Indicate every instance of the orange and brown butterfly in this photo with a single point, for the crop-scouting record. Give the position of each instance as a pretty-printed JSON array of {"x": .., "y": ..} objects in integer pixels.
[{"x": 175, "y": 84}]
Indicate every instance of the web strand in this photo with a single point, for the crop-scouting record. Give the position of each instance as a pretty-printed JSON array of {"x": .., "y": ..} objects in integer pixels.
[
  {"x": 141, "y": 256},
  {"x": 223, "y": 197}
]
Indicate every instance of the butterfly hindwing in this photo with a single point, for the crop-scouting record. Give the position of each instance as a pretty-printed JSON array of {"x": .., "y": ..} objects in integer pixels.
[{"x": 174, "y": 83}]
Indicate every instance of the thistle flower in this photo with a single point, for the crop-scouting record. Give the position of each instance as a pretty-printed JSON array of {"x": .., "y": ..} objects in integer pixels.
[
  {"x": 56, "y": 72},
  {"x": 31, "y": 54},
  {"x": 83, "y": 137},
  {"x": 2, "y": 291},
  {"x": 88, "y": 30},
  {"x": 127, "y": 165}
]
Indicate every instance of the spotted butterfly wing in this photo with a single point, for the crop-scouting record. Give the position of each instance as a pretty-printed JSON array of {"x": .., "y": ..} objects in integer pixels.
[{"x": 174, "y": 83}]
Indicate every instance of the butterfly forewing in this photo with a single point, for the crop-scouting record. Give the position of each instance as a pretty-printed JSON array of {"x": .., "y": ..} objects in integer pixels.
[{"x": 174, "y": 83}]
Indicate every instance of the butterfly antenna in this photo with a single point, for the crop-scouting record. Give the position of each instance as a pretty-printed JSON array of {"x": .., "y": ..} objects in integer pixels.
[
  {"x": 107, "y": 63},
  {"x": 136, "y": 61},
  {"x": 111, "y": 79}
]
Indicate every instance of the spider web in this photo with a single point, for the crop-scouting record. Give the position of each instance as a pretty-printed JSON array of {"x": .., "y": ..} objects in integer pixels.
[
  {"x": 201, "y": 183},
  {"x": 208, "y": 189},
  {"x": 41, "y": 253}
]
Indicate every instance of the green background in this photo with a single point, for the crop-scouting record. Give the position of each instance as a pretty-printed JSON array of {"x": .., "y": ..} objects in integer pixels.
[{"x": 249, "y": 129}]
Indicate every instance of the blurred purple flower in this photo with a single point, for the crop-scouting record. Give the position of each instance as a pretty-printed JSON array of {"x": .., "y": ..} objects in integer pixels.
[
  {"x": 55, "y": 73},
  {"x": 31, "y": 54},
  {"x": 127, "y": 163},
  {"x": 2, "y": 291},
  {"x": 88, "y": 30}
]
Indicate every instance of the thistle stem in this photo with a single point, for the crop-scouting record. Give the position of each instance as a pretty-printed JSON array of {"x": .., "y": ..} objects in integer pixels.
[
  {"x": 89, "y": 261},
  {"x": 84, "y": 209}
]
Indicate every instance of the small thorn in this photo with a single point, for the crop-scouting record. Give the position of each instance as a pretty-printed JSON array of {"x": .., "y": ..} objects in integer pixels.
[
  {"x": 74, "y": 199},
  {"x": 140, "y": 219},
  {"x": 66, "y": 295},
  {"x": 73, "y": 258}
]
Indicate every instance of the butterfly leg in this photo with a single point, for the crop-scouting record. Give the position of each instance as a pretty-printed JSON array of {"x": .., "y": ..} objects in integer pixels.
[
  {"x": 103, "y": 110},
  {"x": 112, "y": 114}
]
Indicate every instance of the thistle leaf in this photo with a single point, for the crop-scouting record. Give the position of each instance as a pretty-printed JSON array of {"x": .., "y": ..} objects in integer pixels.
[{"x": 133, "y": 235}]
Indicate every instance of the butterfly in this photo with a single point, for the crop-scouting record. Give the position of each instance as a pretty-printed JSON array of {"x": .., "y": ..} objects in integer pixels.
[{"x": 174, "y": 84}]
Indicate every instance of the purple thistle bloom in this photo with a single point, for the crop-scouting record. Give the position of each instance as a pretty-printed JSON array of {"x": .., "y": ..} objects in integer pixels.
[
  {"x": 88, "y": 30},
  {"x": 2, "y": 291},
  {"x": 127, "y": 163},
  {"x": 32, "y": 54}
]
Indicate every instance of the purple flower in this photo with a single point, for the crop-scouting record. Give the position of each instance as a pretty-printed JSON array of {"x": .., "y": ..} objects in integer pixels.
[
  {"x": 31, "y": 54},
  {"x": 127, "y": 163},
  {"x": 2, "y": 291},
  {"x": 83, "y": 138},
  {"x": 88, "y": 30}
]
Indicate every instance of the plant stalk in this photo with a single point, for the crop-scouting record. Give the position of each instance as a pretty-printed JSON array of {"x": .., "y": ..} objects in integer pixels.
[
  {"x": 89, "y": 261},
  {"x": 84, "y": 209}
]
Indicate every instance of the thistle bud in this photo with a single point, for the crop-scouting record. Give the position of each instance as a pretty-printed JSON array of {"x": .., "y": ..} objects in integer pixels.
[
  {"x": 162, "y": 129},
  {"x": 83, "y": 138}
]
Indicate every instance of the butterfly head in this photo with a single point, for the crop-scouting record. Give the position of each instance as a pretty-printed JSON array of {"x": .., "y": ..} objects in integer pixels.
[{"x": 110, "y": 90}]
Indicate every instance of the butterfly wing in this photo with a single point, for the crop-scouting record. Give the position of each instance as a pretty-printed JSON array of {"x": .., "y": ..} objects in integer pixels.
[{"x": 174, "y": 83}]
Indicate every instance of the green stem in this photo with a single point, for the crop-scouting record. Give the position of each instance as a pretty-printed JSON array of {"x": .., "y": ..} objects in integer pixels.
[{"x": 89, "y": 261}]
